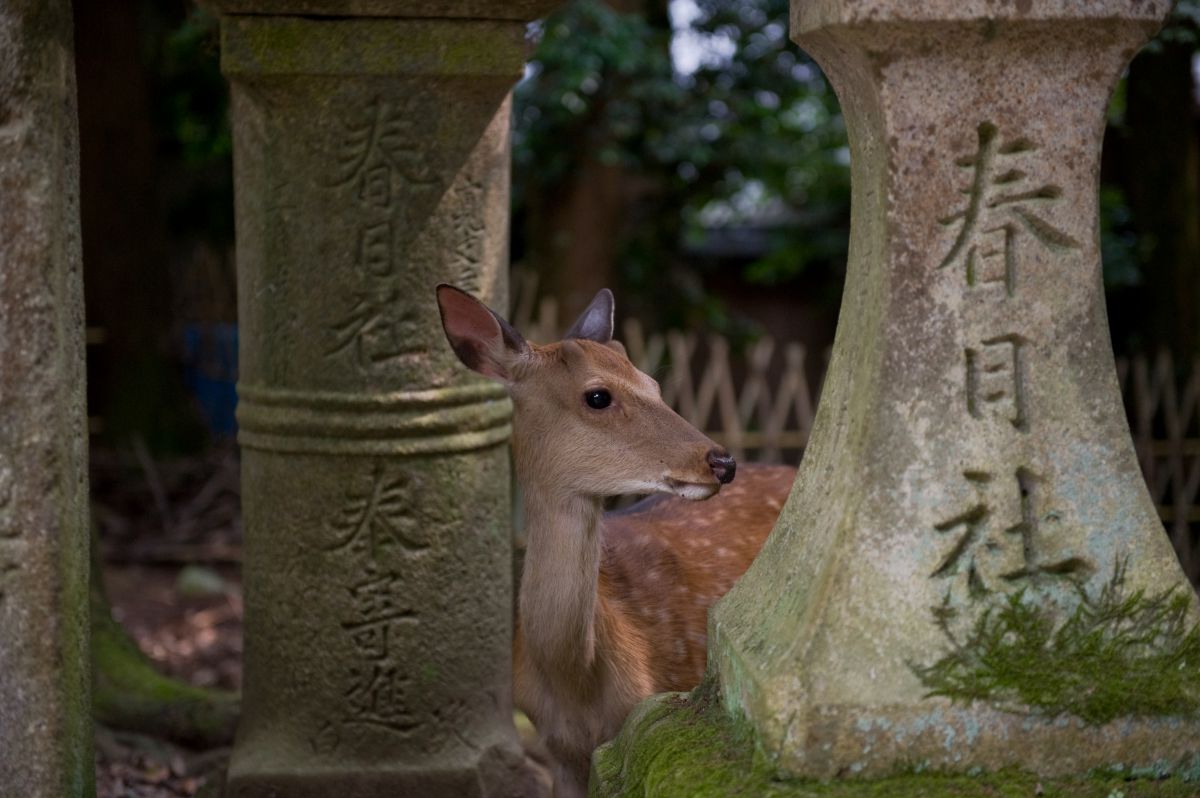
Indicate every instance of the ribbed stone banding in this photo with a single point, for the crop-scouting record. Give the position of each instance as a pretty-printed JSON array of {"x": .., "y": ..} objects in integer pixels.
[{"x": 434, "y": 421}]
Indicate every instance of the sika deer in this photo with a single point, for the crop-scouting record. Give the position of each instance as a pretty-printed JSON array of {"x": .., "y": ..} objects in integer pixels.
[{"x": 613, "y": 608}]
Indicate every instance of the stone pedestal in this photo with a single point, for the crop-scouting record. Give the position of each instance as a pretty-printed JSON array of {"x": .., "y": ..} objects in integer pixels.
[
  {"x": 970, "y": 470},
  {"x": 970, "y": 574},
  {"x": 372, "y": 162},
  {"x": 45, "y": 695}
]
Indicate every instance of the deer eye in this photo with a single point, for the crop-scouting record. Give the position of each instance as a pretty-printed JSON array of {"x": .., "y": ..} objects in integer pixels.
[{"x": 597, "y": 398}]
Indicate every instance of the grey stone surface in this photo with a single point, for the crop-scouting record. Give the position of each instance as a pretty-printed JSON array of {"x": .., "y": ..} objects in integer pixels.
[
  {"x": 808, "y": 15},
  {"x": 970, "y": 442},
  {"x": 372, "y": 162},
  {"x": 45, "y": 703}
]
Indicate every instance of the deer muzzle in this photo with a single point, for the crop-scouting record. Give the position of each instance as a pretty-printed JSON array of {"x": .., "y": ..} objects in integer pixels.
[{"x": 723, "y": 466}]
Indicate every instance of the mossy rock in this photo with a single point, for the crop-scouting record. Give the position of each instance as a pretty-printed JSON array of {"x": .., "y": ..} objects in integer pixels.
[{"x": 680, "y": 745}]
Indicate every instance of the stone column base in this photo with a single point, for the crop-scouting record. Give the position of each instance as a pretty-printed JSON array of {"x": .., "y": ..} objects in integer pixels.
[
  {"x": 680, "y": 745},
  {"x": 499, "y": 771}
]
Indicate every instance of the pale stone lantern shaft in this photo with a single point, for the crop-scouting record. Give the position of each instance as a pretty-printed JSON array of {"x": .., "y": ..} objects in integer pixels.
[
  {"x": 372, "y": 162},
  {"x": 970, "y": 444},
  {"x": 45, "y": 677}
]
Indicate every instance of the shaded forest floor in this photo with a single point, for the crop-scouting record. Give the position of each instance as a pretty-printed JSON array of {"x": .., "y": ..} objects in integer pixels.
[
  {"x": 171, "y": 538},
  {"x": 188, "y": 619}
]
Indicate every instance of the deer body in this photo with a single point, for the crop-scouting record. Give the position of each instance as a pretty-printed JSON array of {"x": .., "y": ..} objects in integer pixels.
[
  {"x": 612, "y": 608},
  {"x": 631, "y": 619}
]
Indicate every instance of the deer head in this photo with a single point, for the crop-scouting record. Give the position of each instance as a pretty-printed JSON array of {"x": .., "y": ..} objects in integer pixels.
[{"x": 586, "y": 422}]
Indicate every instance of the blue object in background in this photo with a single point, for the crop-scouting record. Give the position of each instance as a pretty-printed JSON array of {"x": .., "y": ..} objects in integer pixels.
[{"x": 210, "y": 374}]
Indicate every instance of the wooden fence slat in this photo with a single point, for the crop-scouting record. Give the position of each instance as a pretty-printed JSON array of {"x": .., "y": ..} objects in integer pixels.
[
  {"x": 679, "y": 390},
  {"x": 767, "y": 412},
  {"x": 755, "y": 400}
]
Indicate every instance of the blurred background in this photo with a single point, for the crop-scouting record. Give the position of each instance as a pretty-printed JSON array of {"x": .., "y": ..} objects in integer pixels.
[{"x": 682, "y": 152}]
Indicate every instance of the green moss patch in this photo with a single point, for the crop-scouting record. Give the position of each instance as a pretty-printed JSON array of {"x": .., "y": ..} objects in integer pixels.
[
  {"x": 686, "y": 746},
  {"x": 1118, "y": 654},
  {"x": 129, "y": 693}
]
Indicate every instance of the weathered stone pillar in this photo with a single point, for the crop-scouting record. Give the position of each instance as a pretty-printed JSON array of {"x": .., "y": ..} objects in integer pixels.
[
  {"x": 372, "y": 162},
  {"x": 971, "y": 474},
  {"x": 45, "y": 694},
  {"x": 954, "y": 582}
]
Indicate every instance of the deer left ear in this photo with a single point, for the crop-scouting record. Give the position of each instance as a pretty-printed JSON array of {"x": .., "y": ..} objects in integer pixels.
[
  {"x": 481, "y": 338},
  {"x": 595, "y": 323}
]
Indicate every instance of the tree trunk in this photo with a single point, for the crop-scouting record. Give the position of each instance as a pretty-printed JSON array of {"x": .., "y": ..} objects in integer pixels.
[
  {"x": 575, "y": 233},
  {"x": 1163, "y": 177},
  {"x": 578, "y": 229},
  {"x": 133, "y": 386}
]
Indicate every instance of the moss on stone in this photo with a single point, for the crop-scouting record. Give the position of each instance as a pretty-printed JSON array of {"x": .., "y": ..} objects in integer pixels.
[
  {"x": 368, "y": 46},
  {"x": 129, "y": 693},
  {"x": 1118, "y": 654},
  {"x": 685, "y": 746}
]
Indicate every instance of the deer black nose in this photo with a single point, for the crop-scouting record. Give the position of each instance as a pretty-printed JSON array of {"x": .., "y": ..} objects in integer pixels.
[{"x": 723, "y": 466}]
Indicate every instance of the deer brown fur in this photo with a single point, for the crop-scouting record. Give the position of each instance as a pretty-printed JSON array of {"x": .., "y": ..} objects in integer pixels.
[{"x": 613, "y": 607}]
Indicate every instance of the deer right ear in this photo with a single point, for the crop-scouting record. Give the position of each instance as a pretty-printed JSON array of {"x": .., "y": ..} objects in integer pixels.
[{"x": 483, "y": 341}]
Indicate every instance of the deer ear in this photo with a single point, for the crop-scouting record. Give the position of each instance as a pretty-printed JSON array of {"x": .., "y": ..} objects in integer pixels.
[
  {"x": 483, "y": 341},
  {"x": 595, "y": 323}
]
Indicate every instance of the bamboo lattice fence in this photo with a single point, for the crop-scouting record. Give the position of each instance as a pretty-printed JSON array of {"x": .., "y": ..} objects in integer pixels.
[{"x": 760, "y": 404}]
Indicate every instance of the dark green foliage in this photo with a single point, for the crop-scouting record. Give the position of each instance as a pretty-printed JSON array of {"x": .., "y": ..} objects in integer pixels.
[
  {"x": 1120, "y": 253},
  {"x": 1183, "y": 26},
  {"x": 599, "y": 84},
  {"x": 772, "y": 142},
  {"x": 1117, "y": 654},
  {"x": 754, "y": 138},
  {"x": 191, "y": 108}
]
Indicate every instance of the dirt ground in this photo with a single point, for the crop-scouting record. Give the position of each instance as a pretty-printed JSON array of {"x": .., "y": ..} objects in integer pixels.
[
  {"x": 188, "y": 619},
  {"x": 170, "y": 534}
]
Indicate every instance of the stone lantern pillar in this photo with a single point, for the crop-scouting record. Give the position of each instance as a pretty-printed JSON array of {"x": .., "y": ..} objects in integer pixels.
[
  {"x": 45, "y": 673},
  {"x": 371, "y": 163},
  {"x": 970, "y": 453},
  {"x": 969, "y": 574}
]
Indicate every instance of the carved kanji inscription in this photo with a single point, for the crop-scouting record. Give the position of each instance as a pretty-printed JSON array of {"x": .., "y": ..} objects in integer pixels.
[
  {"x": 378, "y": 696},
  {"x": 994, "y": 541},
  {"x": 995, "y": 380},
  {"x": 1004, "y": 203},
  {"x": 379, "y": 143},
  {"x": 377, "y": 329},
  {"x": 379, "y": 157},
  {"x": 375, "y": 249},
  {"x": 376, "y": 687},
  {"x": 378, "y": 607},
  {"x": 377, "y": 515},
  {"x": 467, "y": 228}
]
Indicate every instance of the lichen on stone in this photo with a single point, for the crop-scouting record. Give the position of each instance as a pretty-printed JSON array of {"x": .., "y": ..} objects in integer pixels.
[{"x": 1119, "y": 653}]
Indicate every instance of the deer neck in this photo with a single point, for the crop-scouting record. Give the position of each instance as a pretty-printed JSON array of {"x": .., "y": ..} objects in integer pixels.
[{"x": 558, "y": 601}]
